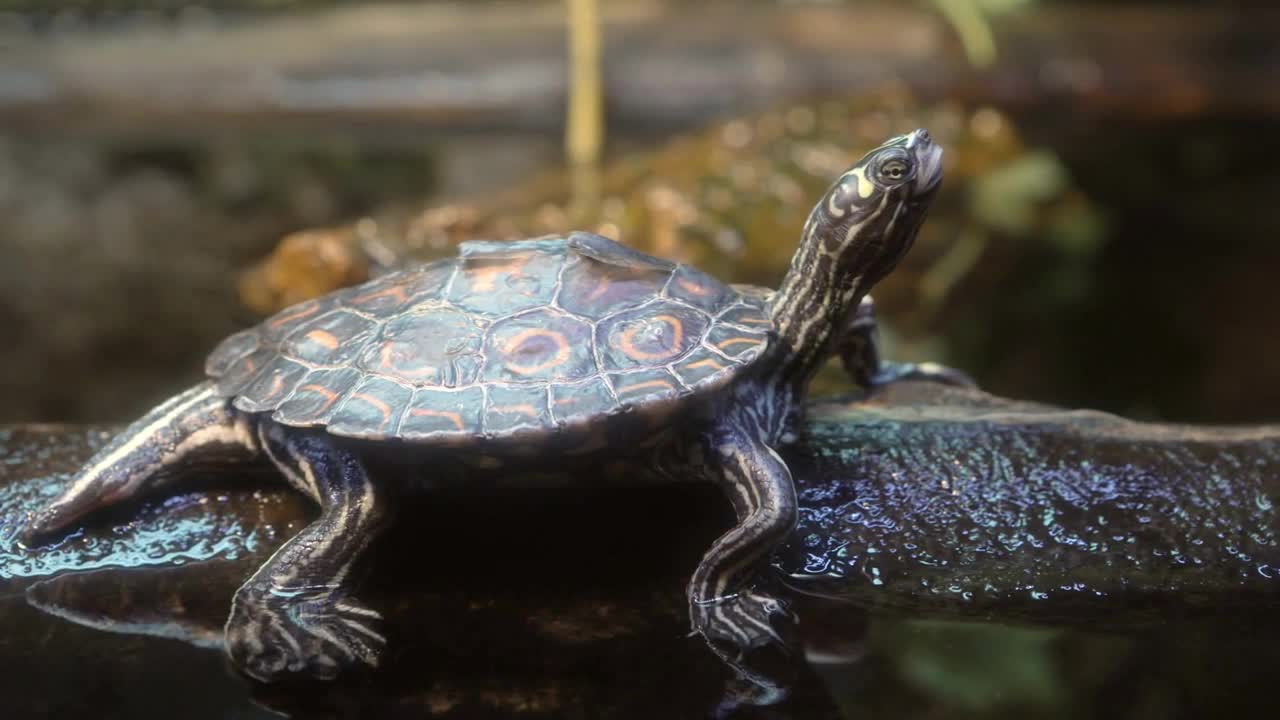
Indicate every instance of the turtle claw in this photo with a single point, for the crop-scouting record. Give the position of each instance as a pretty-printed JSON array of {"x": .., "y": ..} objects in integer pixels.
[
  {"x": 756, "y": 635},
  {"x": 276, "y": 635}
]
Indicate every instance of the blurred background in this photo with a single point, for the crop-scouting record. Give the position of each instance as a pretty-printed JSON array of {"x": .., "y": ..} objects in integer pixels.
[{"x": 1106, "y": 236}]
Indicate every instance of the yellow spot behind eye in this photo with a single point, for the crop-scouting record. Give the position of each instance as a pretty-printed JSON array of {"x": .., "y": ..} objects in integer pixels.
[{"x": 865, "y": 187}]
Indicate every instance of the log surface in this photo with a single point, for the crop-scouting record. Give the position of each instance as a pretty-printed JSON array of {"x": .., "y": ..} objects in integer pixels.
[{"x": 922, "y": 501}]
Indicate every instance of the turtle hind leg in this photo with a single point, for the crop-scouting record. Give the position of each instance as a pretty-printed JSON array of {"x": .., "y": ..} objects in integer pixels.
[
  {"x": 295, "y": 616},
  {"x": 749, "y": 628},
  {"x": 195, "y": 424},
  {"x": 859, "y": 349}
]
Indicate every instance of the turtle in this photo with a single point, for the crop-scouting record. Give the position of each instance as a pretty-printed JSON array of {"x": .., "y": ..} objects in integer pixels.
[
  {"x": 859, "y": 351},
  {"x": 510, "y": 360}
]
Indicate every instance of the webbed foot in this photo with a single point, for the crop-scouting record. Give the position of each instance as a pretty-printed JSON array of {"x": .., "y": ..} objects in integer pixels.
[
  {"x": 294, "y": 618},
  {"x": 276, "y": 634},
  {"x": 859, "y": 350},
  {"x": 891, "y": 372},
  {"x": 757, "y": 635}
]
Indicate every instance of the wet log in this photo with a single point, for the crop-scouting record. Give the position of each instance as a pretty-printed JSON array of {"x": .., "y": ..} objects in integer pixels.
[
  {"x": 667, "y": 64},
  {"x": 945, "y": 501},
  {"x": 922, "y": 501}
]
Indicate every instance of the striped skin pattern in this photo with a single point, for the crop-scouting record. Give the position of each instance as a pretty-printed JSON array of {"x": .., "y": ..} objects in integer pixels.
[
  {"x": 189, "y": 430},
  {"x": 508, "y": 340},
  {"x": 733, "y": 615},
  {"x": 859, "y": 352},
  {"x": 522, "y": 342},
  {"x": 295, "y": 615},
  {"x": 842, "y": 254}
]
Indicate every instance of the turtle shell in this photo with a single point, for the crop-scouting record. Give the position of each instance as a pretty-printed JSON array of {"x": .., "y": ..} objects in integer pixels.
[{"x": 505, "y": 340}]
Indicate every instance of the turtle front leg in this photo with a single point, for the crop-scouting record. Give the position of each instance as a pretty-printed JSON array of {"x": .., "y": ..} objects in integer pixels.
[
  {"x": 859, "y": 349},
  {"x": 295, "y": 616},
  {"x": 728, "y": 607}
]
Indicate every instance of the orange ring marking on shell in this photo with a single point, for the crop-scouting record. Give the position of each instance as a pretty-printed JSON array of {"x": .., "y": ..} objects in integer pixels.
[
  {"x": 737, "y": 341},
  {"x": 524, "y": 409},
  {"x": 512, "y": 344},
  {"x": 378, "y": 405},
  {"x": 647, "y": 384},
  {"x": 329, "y": 395},
  {"x": 693, "y": 288},
  {"x": 323, "y": 338},
  {"x": 600, "y": 288},
  {"x": 395, "y": 291},
  {"x": 752, "y": 321},
  {"x": 635, "y": 353},
  {"x": 387, "y": 362},
  {"x": 452, "y": 417},
  {"x": 298, "y": 315},
  {"x": 277, "y": 384},
  {"x": 705, "y": 362},
  {"x": 485, "y": 277},
  {"x": 608, "y": 279}
]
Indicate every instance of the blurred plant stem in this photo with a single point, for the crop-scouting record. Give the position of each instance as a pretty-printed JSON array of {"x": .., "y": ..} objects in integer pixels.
[
  {"x": 584, "y": 127},
  {"x": 970, "y": 23},
  {"x": 941, "y": 277}
]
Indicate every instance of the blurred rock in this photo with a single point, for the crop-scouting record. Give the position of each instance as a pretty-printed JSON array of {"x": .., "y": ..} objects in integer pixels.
[
  {"x": 122, "y": 254},
  {"x": 732, "y": 200}
]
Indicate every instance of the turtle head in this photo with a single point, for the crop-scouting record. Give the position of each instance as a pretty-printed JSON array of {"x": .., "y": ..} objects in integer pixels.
[
  {"x": 855, "y": 236},
  {"x": 870, "y": 215}
]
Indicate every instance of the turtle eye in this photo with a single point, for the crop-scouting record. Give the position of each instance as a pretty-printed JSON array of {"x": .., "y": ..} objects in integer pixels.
[{"x": 894, "y": 171}]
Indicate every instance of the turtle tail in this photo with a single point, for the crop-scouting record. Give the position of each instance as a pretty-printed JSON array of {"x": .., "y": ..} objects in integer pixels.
[{"x": 196, "y": 424}]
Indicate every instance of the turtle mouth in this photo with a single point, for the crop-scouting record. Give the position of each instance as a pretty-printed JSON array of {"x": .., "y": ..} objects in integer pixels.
[{"x": 928, "y": 163}]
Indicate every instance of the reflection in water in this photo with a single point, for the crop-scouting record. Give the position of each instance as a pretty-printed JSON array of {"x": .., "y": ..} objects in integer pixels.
[
  {"x": 183, "y": 528},
  {"x": 85, "y": 598}
]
